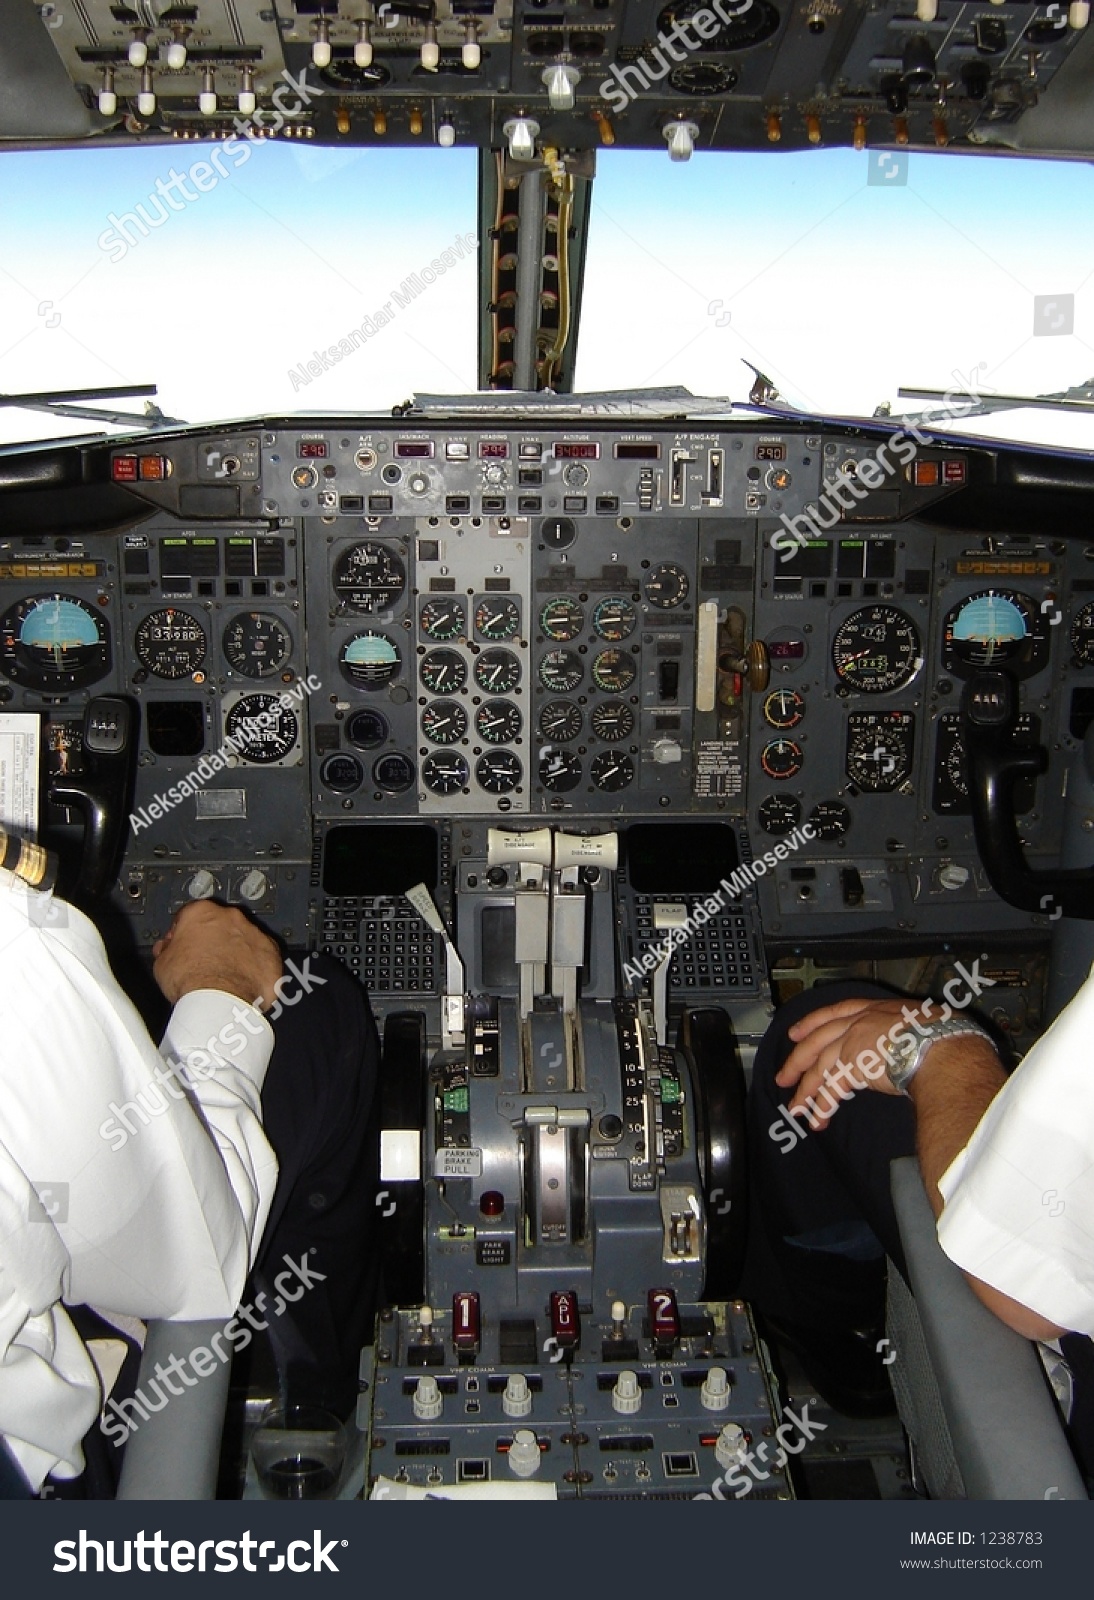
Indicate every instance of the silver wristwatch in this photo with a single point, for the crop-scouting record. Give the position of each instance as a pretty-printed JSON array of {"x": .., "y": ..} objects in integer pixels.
[{"x": 905, "y": 1054}]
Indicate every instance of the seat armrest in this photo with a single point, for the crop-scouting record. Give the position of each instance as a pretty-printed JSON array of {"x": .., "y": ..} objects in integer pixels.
[
  {"x": 1007, "y": 1437},
  {"x": 175, "y": 1454}
]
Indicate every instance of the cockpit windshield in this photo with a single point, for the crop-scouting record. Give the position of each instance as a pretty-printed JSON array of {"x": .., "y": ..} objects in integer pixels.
[{"x": 247, "y": 277}]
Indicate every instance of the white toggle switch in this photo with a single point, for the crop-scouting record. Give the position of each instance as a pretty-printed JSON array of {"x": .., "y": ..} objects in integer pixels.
[
  {"x": 524, "y": 1454},
  {"x": 715, "y": 1394},
  {"x": 517, "y": 1399},
  {"x": 428, "y": 1401},
  {"x": 627, "y": 1395}
]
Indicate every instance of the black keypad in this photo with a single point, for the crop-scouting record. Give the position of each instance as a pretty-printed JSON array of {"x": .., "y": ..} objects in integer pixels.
[
  {"x": 383, "y": 942},
  {"x": 718, "y": 955}
]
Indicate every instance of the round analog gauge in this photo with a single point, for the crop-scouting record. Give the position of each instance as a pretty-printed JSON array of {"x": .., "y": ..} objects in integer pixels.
[
  {"x": 498, "y": 772},
  {"x": 876, "y": 650},
  {"x": 394, "y": 773},
  {"x": 498, "y": 722},
  {"x": 784, "y": 708},
  {"x": 560, "y": 720},
  {"x": 782, "y": 759},
  {"x": 497, "y": 618},
  {"x": 443, "y": 619},
  {"x": 261, "y": 728},
  {"x": 560, "y": 671},
  {"x": 615, "y": 619},
  {"x": 993, "y": 627},
  {"x": 369, "y": 577},
  {"x": 445, "y": 774},
  {"x": 367, "y": 729},
  {"x": 830, "y": 819},
  {"x": 614, "y": 670},
  {"x": 562, "y": 619},
  {"x": 497, "y": 671},
  {"x": 612, "y": 721},
  {"x": 444, "y": 722},
  {"x": 53, "y": 642},
  {"x": 747, "y": 27},
  {"x": 879, "y": 752},
  {"x": 1082, "y": 634},
  {"x": 256, "y": 644},
  {"x": 778, "y": 813},
  {"x": 170, "y": 643},
  {"x": 443, "y": 671},
  {"x": 343, "y": 773},
  {"x": 666, "y": 586},
  {"x": 369, "y": 660},
  {"x": 559, "y": 770},
  {"x": 612, "y": 770}
]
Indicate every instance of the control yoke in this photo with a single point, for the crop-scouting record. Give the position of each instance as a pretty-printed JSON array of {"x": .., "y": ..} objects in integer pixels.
[
  {"x": 101, "y": 791},
  {"x": 996, "y": 763}
]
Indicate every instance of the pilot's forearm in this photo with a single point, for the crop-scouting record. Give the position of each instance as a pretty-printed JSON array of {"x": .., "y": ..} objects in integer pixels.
[{"x": 952, "y": 1090}]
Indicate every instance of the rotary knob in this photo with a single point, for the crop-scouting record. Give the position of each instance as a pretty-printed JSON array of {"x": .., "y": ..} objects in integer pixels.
[{"x": 255, "y": 886}]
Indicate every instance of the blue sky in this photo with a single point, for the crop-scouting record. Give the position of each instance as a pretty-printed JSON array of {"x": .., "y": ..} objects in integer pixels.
[{"x": 839, "y": 288}]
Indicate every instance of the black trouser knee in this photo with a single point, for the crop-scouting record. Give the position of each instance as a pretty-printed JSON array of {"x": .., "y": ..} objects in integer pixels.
[{"x": 822, "y": 1219}]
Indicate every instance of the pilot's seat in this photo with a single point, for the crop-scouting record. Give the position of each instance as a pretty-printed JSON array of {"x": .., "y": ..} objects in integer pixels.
[{"x": 972, "y": 1394}]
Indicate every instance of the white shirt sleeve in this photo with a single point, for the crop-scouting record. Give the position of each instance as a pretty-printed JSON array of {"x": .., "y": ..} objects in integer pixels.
[
  {"x": 49, "y": 1390},
  {"x": 159, "y": 1179},
  {"x": 1019, "y": 1199}
]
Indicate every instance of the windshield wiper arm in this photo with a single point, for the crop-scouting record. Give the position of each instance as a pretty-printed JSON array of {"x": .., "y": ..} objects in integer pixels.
[
  {"x": 1079, "y": 399},
  {"x": 59, "y": 403}
]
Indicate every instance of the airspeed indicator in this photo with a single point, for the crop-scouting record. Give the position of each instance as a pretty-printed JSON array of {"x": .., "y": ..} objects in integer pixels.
[{"x": 877, "y": 650}]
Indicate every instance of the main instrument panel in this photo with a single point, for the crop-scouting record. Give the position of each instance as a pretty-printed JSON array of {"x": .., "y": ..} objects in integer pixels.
[
  {"x": 565, "y": 739},
  {"x": 451, "y": 624}
]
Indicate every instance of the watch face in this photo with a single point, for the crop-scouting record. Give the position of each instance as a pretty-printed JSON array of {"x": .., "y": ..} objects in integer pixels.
[{"x": 903, "y": 1054}]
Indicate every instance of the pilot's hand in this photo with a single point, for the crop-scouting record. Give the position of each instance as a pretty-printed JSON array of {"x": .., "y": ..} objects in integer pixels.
[
  {"x": 843, "y": 1048},
  {"x": 209, "y": 946}
]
